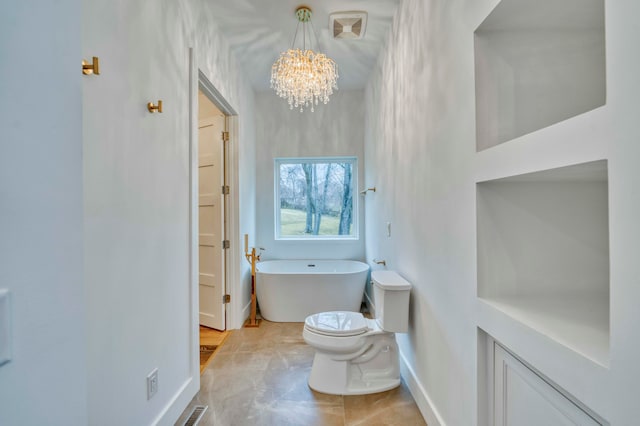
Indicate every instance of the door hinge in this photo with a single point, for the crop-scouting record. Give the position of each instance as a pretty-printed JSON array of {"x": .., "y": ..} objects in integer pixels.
[
  {"x": 225, "y": 136},
  {"x": 226, "y": 298},
  {"x": 226, "y": 244},
  {"x": 225, "y": 190}
]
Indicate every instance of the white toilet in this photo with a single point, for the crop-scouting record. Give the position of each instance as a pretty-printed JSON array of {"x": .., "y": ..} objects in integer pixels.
[{"x": 356, "y": 355}]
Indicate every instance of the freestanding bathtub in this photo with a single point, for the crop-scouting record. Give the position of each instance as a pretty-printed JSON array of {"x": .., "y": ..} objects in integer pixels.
[{"x": 291, "y": 290}]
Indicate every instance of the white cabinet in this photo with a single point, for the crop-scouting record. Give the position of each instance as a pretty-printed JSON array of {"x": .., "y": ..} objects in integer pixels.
[{"x": 523, "y": 398}]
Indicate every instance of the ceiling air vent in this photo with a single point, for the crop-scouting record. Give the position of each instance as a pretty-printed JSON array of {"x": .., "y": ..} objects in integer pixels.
[{"x": 348, "y": 25}]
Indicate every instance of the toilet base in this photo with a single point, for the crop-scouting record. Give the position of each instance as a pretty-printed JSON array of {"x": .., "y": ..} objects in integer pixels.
[
  {"x": 375, "y": 370},
  {"x": 361, "y": 388}
]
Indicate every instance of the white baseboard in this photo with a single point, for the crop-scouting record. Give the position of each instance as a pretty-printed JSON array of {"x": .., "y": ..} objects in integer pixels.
[
  {"x": 246, "y": 311},
  {"x": 370, "y": 306},
  {"x": 178, "y": 403},
  {"x": 420, "y": 395}
]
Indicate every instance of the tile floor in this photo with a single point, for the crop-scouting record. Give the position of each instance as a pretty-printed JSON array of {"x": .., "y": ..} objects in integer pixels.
[{"x": 259, "y": 377}]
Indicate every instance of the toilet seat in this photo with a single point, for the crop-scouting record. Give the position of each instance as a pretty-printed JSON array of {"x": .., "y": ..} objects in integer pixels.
[{"x": 337, "y": 324}]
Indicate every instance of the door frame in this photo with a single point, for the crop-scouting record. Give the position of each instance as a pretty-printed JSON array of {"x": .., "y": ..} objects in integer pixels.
[
  {"x": 199, "y": 81},
  {"x": 232, "y": 259}
]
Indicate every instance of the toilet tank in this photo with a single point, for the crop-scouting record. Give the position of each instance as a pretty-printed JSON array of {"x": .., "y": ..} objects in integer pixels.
[{"x": 391, "y": 300}]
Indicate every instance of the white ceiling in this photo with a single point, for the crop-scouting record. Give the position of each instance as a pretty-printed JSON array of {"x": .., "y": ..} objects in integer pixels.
[{"x": 258, "y": 30}]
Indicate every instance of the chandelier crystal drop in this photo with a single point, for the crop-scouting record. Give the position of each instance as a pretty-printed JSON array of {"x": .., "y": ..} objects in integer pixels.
[{"x": 301, "y": 76}]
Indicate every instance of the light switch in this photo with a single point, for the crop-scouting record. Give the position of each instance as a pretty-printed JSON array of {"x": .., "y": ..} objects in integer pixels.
[{"x": 5, "y": 326}]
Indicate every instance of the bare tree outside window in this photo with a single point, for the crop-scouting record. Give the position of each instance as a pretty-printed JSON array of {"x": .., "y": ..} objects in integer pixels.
[{"x": 315, "y": 197}]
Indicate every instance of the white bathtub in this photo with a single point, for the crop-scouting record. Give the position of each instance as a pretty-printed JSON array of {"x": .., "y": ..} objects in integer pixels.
[{"x": 291, "y": 290}]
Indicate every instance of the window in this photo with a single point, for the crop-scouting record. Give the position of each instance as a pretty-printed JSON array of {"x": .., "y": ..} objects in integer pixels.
[{"x": 315, "y": 198}]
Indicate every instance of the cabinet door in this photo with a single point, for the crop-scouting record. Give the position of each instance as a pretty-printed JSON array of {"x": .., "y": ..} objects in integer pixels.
[{"x": 523, "y": 398}]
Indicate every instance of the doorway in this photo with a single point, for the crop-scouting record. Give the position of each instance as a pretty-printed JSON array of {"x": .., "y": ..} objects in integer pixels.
[
  {"x": 203, "y": 95},
  {"x": 213, "y": 227}
]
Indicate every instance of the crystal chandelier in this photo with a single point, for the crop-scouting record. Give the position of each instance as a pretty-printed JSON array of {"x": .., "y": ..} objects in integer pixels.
[{"x": 302, "y": 76}]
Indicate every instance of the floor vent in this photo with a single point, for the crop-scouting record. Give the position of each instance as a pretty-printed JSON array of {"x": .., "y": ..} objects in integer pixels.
[{"x": 196, "y": 415}]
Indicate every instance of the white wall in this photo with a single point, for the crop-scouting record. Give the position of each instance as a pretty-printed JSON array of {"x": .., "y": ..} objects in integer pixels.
[
  {"x": 136, "y": 198},
  {"x": 420, "y": 153},
  {"x": 41, "y": 213},
  {"x": 419, "y": 143},
  {"x": 335, "y": 129}
]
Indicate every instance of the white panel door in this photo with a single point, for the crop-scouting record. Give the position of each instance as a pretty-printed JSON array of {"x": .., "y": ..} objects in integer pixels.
[
  {"x": 211, "y": 222},
  {"x": 523, "y": 398}
]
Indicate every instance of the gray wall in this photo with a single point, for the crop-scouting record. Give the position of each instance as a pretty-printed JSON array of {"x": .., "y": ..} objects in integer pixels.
[{"x": 41, "y": 213}]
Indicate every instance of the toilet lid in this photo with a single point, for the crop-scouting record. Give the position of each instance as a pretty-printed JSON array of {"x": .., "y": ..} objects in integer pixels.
[{"x": 337, "y": 323}]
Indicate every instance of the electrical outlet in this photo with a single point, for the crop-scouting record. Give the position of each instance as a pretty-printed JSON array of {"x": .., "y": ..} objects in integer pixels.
[
  {"x": 5, "y": 326},
  {"x": 152, "y": 383}
]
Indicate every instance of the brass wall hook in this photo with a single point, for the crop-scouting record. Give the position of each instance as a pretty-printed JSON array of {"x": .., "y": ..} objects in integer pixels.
[
  {"x": 153, "y": 108},
  {"x": 380, "y": 262},
  {"x": 91, "y": 68}
]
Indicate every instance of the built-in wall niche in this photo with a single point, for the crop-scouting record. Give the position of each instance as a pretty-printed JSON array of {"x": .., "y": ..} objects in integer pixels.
[
  {"x": 537, "y": 63},
  {"x": 543, "y": 253}
]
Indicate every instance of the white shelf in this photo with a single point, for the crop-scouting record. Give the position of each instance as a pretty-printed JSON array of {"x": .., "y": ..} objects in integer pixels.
[
  {"x": 543, "y": 253},
  {"x": 580, "y": 323},
  {"x": 537, "y": 63}
]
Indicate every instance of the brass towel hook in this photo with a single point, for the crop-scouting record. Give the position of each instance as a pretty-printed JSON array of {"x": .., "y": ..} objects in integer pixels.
[
  {"x": 91, "y": 68},
  {"x": 153, "y": 108},
  {"x": 367, "y": 190}
]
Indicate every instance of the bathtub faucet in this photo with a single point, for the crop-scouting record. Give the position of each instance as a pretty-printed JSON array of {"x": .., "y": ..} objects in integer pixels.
[
  {"x": 380, "y": 262},
  {"x": 251, "y": 256}
]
